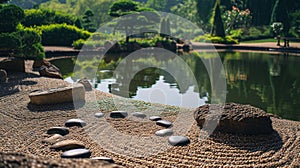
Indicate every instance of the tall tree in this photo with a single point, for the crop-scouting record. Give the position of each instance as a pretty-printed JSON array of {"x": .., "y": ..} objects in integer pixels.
[
  {"x": 280, "y": 14},
  {"x": 217, "y": 22}
]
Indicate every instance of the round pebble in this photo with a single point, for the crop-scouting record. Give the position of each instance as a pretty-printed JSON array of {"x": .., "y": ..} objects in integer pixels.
[
  {"x": 139, "y": 115},
  {"x": 107, "y": 159},
  {"x": 164, "y": 123},
  {"x": 58, "y": 130},
  {"x": 118, "y": 114},
  {"x": 178, "y": 140},
  {"x": 155, "y": 118},
  {"x": 76, "y": 153},
  {"x": 75, "y": 122},
  {"x": 164, "y": 132},
  {"x": 67, "y": 145},
  {"x": 99, "y": 115}
]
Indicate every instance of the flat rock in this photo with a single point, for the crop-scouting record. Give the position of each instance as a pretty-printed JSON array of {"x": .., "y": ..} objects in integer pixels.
[
  {"x": 58, "y": 130},
  {"x": 67, "y": 145},
  {"x": 77, "y": 153},
  {"x": 164, "y": 123},
  {"x": 75, "y": 122},
  {"x": 50, "y": 71},
  {"x": 58, "y": 95},
  {"x": 235, "y": 119},
  {"x": 53, "y": 139},
  {"x": 139, "y": 115},
  {"x": 106, "y": 159},
  {"x": 118, "y": 114},
  {"x": 155, "y": 118},
  {"x": 164, "y": 132},
  {"x": 178, "y": 140},
  {"x": 99, "y": 115}
]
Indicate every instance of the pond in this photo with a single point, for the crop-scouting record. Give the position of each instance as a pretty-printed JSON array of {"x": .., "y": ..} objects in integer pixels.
[{"x": 268, "y": 81}]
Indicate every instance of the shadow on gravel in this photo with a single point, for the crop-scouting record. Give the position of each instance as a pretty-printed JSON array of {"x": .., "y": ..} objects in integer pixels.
[
  {"x": 15, "y": 80},
  {"x": 252, "y": 143},
  {"x": 54, "y": 107}
]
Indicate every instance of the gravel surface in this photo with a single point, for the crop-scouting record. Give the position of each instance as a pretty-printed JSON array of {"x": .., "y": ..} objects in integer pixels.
[{"x": 24, "y": 127}]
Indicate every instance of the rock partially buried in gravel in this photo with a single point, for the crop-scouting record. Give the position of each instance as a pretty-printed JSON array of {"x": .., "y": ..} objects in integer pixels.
[
  {"x": 155, "y": 118},
  {"x": 75, "y": 122},
  {"x": 139, "y": 115},
  {"x": 178, "y": 140},
  {"x": 164, "y": 123},
  {"x": 67, "y": 145},
  {"x": 99, "y": 115},
  {"x": 77, "y": 153},
  {"x": 118, "y": 114},
  {"x": 53, "y": 139},
  {"x": 164, "y": 132},
  {"x": 235, "y": 119},
  {"x": 106, "y": 159},
  {"x": 58, "y": 130},
  {"x": 87, "y": 85}
]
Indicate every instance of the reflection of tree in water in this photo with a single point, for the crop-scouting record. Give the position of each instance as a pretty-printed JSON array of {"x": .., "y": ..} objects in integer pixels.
[{"x": 270, "y": 84}]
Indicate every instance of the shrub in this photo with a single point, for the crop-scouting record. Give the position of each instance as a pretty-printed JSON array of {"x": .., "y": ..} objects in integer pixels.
[
  {"x": 38, "y": 17},
  {"x": 9, "y": 41},
  {"x": 61, "y": 34},
  {"x": 216, "y": 39},
  {"x": 10, "y": 17}
]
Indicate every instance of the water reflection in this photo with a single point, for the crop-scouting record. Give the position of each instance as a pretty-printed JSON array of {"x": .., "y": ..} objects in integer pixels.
[{"x": 271, "y": 82}]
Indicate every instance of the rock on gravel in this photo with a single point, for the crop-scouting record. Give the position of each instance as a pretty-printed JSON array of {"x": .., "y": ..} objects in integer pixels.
[
  {"x": 164, "y": 132},
  {"x": 87, "y": 85},
  {"x": 58, "y": 130},
  {"x": 99, "y": 115},
  {"x": 53, "y": 139},
  {"x": 178, "y": 140},
  {"x": 75, "y": 122},
  {"x": 106, "y": 159},
  {"x": 67, "y": 145},
  {"x": 235, "y": 119},
  {"x": 155, "y": 118},
  {"x": 118, "y": 114},
  {"x": 77, "y": 153},
  {"x": 139, "y": 115},
  {"x": 164, "y": 123}
]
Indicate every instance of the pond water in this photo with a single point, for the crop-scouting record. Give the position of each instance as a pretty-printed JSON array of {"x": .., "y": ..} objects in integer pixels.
[{"x": 268, "y": 81}]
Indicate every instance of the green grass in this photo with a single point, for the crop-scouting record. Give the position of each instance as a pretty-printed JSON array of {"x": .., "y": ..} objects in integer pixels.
[{"x": 261, "y": 41}]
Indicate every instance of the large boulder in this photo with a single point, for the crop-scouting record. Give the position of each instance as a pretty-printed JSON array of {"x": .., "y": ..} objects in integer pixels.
[
  {"x": 50, "y": 71},
  {"x": 58, "y": 95},
  {"x": 235, "y": 119},
  {"x": 3, "y": 76}
]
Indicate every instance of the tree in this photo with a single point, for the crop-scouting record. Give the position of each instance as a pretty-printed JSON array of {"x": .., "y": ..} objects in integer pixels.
[
  {"x": 217, "y": 22},
  {"x": 123, "y": 7},
  {"x": 11, "y": 16},
  {"x": 87, "y": 22},
  {"x": 280, "y": 14}
]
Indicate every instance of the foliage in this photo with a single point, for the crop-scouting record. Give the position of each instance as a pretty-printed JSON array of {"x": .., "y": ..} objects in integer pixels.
[
  {"x": 216, "y": 39},
  {"x": 87, "y": 22},
  {"x": 236, "y": 18},
  {"x": 252, "y": 33},
  {"x": 123, "y": 7},
  {"x": 27, "y": 4},
  {"x": 9, "y": 41},
  {"x": 61, "y": 34},
  {"x": 10, "y": 17},
  {"x": 217, "y": 22},
  {"x": 280, "y": 14},
  {"x": 3, "y": 1},
  {"x": 38, "y": 17},
  {"x": 187, "y": 10}
]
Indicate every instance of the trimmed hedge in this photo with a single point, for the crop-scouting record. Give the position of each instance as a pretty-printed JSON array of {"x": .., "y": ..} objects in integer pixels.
[
  {"x": 38, "y": 17},
  {"x": 10, "y": 17},
  {"x": 215, "y": 39},
  {"x": 61, "y": 34}
]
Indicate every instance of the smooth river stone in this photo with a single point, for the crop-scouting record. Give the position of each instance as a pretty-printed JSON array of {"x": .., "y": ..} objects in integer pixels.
[
  {"x": 118, "y": 114},
  {"x": 58, "y": 130},
  {"x": 106, "y": 159},
  {"x": 139, "y": 115},
  {"x": 155, "y": 118},
  {"x": 99, "y": 115},
  {"x": 164, "y": 123},
  {"x": 67, "y": 145},
  {"x": 164, "y": 132},
  {"x": 53, "y": 139},
  {"x": 178, "y": 140},
  {"x": 75, "y": 122},
  {"x": 76, "y": 153}
]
